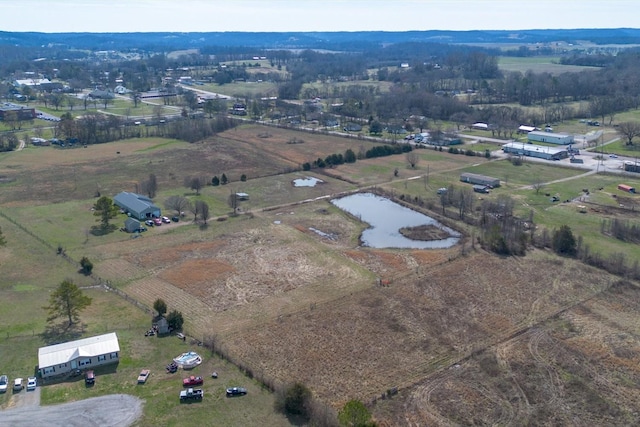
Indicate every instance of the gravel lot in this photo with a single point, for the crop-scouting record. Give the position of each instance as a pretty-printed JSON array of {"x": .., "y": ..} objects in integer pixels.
[{"x": 105, "y": 411}]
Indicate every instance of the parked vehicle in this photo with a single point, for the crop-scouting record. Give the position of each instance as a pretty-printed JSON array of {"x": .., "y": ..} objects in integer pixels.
[
  {"x": 4, "y": 383},
  {"x": 192, "y": 380},
  {"x": 157, "y": 221},
  {"x": 236, "y": 391},
  {"x": 32, "y": 383},
  {"x": 89, "y": 378},
  {"x": 144, "y": 374},
  {"x": 175, "y": 218},
  {"x": 165, "y": 220},
  {"x": 17, "y": 384},
  {"x": 149, "y": 223},
  {"x": 191, "y": 394}
]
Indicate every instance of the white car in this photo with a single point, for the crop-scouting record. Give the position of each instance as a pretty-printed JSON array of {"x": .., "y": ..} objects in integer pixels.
[
  {"x": 17, "y": 384},
  {"x": 32, "y": 383},
  {"x": 4, "y": 383}
]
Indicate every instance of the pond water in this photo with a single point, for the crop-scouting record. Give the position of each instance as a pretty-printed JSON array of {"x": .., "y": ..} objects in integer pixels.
[
  {"x": 308, "y": 181},
  {"x": 386, "y": 218}
]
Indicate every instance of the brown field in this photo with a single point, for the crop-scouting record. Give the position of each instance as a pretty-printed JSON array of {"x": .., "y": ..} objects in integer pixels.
[{"x": 464, "y": 336}]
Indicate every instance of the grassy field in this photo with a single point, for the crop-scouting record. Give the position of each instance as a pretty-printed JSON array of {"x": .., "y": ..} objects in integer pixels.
[
  {"x": 287, "y": 304},
  {"x": 538, "y": 64}
]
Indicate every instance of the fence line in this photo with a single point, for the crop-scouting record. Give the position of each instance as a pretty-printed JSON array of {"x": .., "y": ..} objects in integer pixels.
[{"x": 98, "y": 281}]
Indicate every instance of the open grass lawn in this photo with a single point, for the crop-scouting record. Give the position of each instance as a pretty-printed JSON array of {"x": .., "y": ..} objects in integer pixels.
[
  {"x": 538, "y": 64},
  {"x": 279, "y": 297},
  {"x": 621, "y": 148},
  {"x": 243, "y": 89}
]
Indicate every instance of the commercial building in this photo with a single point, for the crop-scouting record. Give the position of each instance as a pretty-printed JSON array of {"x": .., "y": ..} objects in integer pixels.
[
  {"x": 550, "y": 138},
  {"x": 539, "y": 151}
]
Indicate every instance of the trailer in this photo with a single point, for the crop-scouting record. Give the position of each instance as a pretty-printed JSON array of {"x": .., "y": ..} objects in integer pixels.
[{"x": 627, "y": 188}]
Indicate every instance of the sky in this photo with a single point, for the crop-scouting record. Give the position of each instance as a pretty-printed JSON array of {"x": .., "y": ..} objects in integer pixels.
[{"x": 55, "y": 16}]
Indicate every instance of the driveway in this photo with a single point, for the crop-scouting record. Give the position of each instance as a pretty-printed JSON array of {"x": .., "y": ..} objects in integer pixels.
[
  {"x": 24, "y": 399},
  {"x": 113, "y": 410}
]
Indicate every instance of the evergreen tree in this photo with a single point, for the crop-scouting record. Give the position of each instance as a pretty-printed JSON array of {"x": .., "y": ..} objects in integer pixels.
[
  {"x": 67, "y": 301},
  {"x": 563, "y": 241}
]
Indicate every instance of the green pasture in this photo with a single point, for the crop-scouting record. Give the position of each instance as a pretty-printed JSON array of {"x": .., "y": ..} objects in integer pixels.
[
  {"x": 514, "y": 176},
  {"x": 621, "y": 148},
  {"x": 539, "y": 64},
  {"x": 243, "y": 90}
]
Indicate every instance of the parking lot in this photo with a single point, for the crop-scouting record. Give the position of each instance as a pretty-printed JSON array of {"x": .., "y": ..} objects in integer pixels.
[{"x": 105, "y": 411}]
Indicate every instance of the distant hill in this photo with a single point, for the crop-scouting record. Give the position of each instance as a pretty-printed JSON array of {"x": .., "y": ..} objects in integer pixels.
[{"x": 346, "y": 41}]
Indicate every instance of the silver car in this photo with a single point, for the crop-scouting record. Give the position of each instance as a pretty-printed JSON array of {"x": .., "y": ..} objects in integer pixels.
[{"x": 4, "y": 383}]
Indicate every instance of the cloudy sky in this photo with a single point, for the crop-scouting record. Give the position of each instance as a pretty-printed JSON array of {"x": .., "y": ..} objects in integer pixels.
[{"x": 312, "y": 15}]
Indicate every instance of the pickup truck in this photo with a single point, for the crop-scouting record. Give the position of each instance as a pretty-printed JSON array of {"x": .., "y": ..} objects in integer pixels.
[{"x": 191, "y": 394}]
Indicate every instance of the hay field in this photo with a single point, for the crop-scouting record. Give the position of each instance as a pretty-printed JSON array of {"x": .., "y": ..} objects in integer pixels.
[{"x": 580, "y": 367}]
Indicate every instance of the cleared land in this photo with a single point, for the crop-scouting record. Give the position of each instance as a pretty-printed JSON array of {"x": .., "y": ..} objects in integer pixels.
[{"x": 464, "y": 337}]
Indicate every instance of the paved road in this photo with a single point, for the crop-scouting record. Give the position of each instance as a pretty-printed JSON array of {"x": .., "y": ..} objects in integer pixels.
[{"x": 115, "y": 410}]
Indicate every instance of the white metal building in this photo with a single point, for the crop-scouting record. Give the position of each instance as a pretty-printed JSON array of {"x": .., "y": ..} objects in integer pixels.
[
  {"x": 86, "y": 353},
  {"x": 541, "y": 151},
  {"x": 549, "y": 137}
]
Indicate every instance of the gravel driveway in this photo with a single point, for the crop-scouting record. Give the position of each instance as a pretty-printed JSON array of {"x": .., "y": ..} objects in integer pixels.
[{"x": 114, "y": 410}]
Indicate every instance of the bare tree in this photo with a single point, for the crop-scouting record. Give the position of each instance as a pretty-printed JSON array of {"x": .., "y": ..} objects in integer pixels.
[
  {"x": 150, "y": 186},
  {"x": 177, "y": 203},
  {"x": 232, "y": 201},
  {"x": 538, "y": 185},
  {"x": 413, "y": 158},
  {"x": 194, "y": 183},
  {"x": 629, "y": 130},
  {"x": 202, "y": 210}
]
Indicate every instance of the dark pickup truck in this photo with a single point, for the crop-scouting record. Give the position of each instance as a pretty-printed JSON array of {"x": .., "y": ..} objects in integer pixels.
[{"x": 191, "y": 394}]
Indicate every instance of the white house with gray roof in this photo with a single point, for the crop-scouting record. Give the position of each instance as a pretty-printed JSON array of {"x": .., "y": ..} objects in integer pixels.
[
  {"x": 87, "y": 353},
  {"x": 137, "y": 206}
]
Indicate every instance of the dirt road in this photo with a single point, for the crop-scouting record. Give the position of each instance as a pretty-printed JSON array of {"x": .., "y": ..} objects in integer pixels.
[{"x": 106, "y": 411}]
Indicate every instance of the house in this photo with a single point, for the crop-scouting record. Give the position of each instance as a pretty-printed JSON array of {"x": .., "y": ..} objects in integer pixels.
[
  {"x": 60, "y": 359},
  {"x": 532, "y": 150},
  {"x": 550, "y": 137},
  {"x": 137, "y": 206},
  {"x": 132, "y": 225},
  {"x": 485, "y": 181}
]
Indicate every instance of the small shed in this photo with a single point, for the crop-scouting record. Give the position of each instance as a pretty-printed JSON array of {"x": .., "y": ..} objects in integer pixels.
[
  {"x": 131, "y": 225},
  {"x": 242, "y": 196},
  {"x": 526, "y": 129},
  {"x": 480, "y": 126},
  {"x": 474, "y": 178},
  {"x": 161, "y": 326}
]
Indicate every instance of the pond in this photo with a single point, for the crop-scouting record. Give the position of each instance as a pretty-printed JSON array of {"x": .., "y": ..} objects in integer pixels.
[
  {"x": 386, "y": 218},
  {"x": 308, "y": 181}
]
